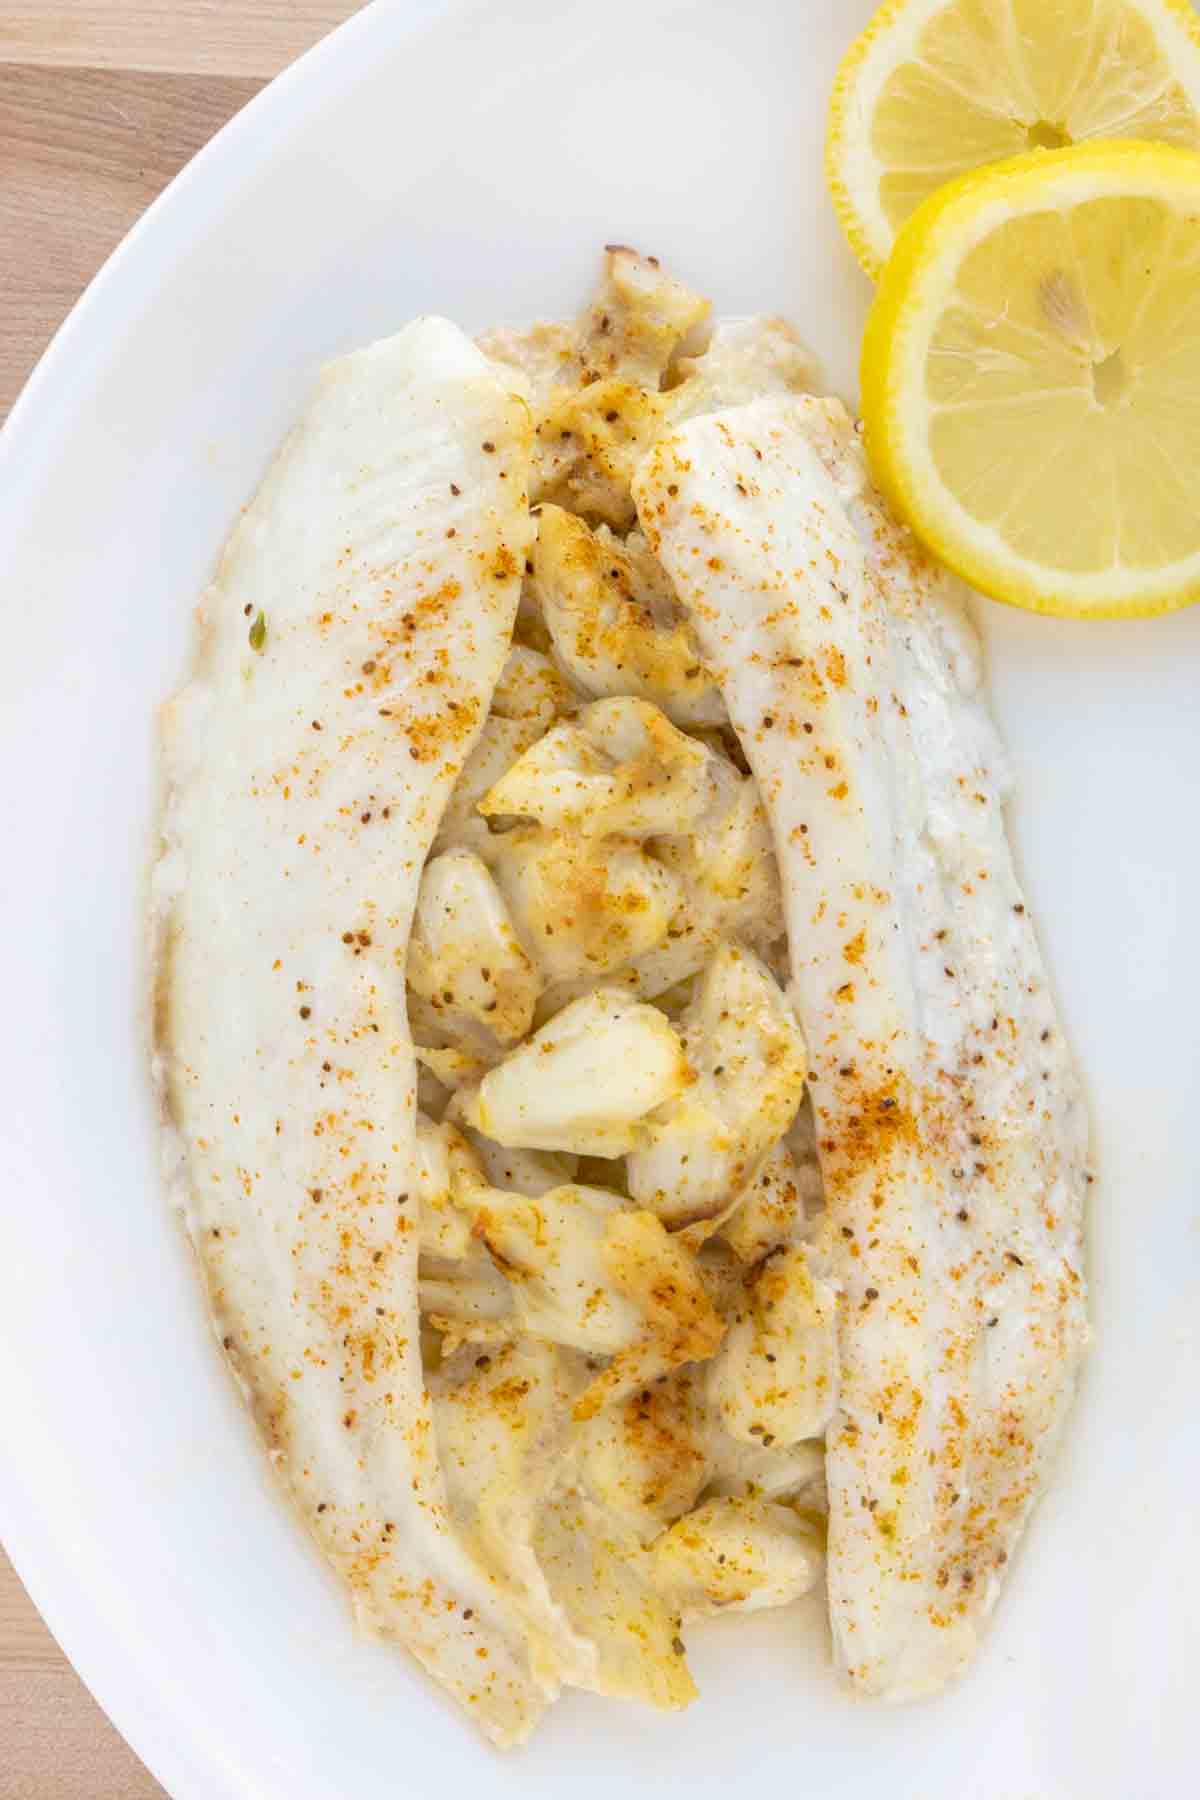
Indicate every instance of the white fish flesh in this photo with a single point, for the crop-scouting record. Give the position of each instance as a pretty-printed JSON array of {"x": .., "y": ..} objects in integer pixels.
[
  {"x": 350, "y": 644},
  {"x": 951, "y": 1129}
]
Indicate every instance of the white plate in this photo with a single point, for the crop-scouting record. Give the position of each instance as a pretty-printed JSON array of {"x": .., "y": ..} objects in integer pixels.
[{"x": 472, "y": 159}]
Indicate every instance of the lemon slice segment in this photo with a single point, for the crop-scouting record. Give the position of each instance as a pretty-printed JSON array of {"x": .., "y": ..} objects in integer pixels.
[
  {"x": 935, "y": 88},
  {"x": 1031, "y": 379}
]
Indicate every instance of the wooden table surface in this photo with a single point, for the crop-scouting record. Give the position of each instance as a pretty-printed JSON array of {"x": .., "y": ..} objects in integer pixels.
[{"x": 101, "y": 102}]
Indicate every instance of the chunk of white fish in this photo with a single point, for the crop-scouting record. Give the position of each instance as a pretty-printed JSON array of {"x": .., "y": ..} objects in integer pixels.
[
  {"x": 584, "y": 1082},
  {"x": 349, "y": 648},
  {"x": 951, "y": 1130}
]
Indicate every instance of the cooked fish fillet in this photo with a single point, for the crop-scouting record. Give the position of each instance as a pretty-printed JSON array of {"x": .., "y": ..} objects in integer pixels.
[
  {"x": 350, "y": 646},
  {"x": 952, "y": 1133}
]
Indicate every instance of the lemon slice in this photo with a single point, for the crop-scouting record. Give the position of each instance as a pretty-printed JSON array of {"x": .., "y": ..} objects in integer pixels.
[
  {"x": 1031, "y": 378},
  {"x": 936, "y": 87}
]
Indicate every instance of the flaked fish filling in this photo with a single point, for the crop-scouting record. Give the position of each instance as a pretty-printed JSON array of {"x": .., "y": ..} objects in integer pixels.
[{"x": 627, "y": 1338}]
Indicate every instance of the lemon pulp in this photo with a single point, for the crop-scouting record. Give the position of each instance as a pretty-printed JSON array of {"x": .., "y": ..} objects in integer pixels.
[
  {"x": 1031, "y": 378},
  {"x": 937, "y": 87}
]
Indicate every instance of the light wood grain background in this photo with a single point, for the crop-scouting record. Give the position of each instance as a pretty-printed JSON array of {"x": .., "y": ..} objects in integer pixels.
[{"x": 101, "y": 102}]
